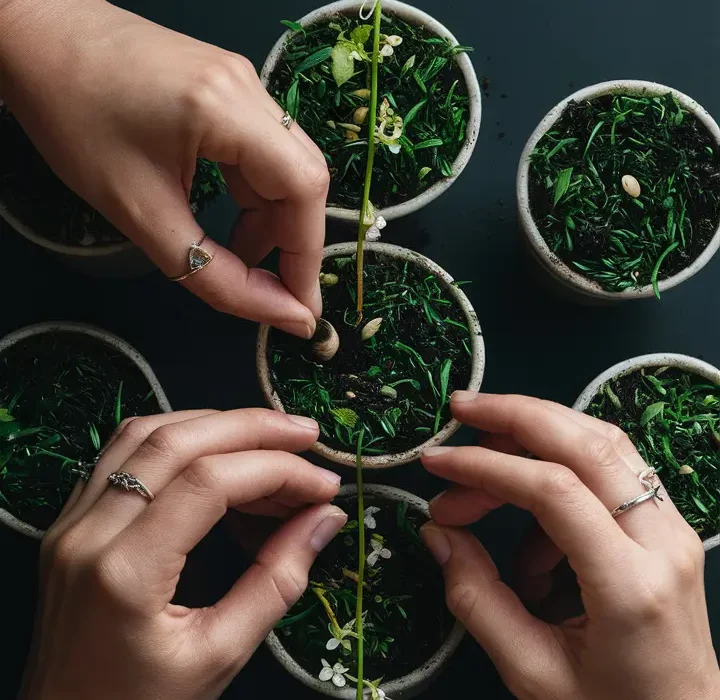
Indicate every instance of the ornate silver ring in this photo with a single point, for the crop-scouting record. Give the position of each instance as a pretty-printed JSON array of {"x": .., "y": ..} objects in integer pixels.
[{"x": 128, "y": 482}]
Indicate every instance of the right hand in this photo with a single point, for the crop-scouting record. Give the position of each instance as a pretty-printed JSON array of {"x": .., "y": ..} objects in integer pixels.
[{"x": 645, "y": 632}]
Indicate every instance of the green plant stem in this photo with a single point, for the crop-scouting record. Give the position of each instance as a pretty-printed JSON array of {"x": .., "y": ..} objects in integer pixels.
[
  {"x": 372, "y": 122},
  {"x": 328, "y": 609},
  {"x": 361, "y": 566}
]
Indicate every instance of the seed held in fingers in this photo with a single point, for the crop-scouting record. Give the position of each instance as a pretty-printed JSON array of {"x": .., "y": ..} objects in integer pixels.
[{"x": 326, "y": 341}]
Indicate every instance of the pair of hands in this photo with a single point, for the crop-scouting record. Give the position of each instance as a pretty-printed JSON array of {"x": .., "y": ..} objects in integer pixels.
[
  {"x": 111, "y": 562},
  {"x": 121, "y": 108}
]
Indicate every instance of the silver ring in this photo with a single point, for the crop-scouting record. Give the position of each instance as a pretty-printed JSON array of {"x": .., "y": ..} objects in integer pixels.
[
  {"x": 649, "y": 480},
  {"x": 198, "y": 258},
  {"x": 128, "y": 482},
  {"x": 287, "y": 120}
]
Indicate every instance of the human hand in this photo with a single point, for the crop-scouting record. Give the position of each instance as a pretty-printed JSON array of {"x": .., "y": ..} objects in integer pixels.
[
  {"x": 645, "y": 632},
  {"x": 106, "y": 627},
  {"x": 121, "y": 108}
]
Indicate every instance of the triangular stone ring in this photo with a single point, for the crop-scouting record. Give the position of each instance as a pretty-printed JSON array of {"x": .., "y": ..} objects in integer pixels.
[{"x": 198, "y": 258}]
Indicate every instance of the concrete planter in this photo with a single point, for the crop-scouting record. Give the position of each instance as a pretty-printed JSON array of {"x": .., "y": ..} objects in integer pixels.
[
  {"x": 682, "y": 362},
  {"x": 571, "y": 280},
  {"x": 103, "y": 336},
  {"x": 477, "y": 348},
  {"x": 411, "y": 15},
  {"x": 402, "y": 688}
]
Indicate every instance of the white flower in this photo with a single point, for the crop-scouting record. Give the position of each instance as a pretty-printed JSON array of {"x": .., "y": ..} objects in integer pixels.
[
  {"x": 380, "y": 223},
  {"x": 334, "y": 674},
  {"x": 341, "y": 638},
  {"x": 374, "y": 693},
  {"x": 389, "y": 128},
  {"x": 387, "y": 50},
  {"x": 378, "y": 552},
  {"x": 356, "y": 56},
  {"x": 372, "y": 235},
  {"x": 393, "y": 40},
  {"x": 370, "y": 512}
]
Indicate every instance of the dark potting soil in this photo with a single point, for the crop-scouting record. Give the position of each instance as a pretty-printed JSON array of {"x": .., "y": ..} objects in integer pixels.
[
  {"x": 673, "y": 418},
  {"x": 422, "y": 83},
  {"x": 592, "y": 223},
  {"x": 31, "y": 191},
  {"x": 404, "y": 599},
  {"x": 422, "y": 352},
  {"x": 61, "y": 397}
]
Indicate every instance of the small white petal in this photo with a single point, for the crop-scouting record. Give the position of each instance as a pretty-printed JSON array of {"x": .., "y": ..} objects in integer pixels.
[
  {"x": 381, "y": 224},
  {"x": 370, "y": 522},
  {"x": 346, "y": 644},
  {"x": 326, "y": 674},
  {"x": 387, "y": 50},
  {"x": 332, "y": 644},
  {"x": 371, "y": 510},
  {"x": 395, "y": 148},
  {"x": 339, "y": 668},
  {"x": 376, "y": 546},
  {"x": 385, "y": 553},
  {"x": 339, "y": 680},
  {"x": 372, "y": 234},
  {"x": 372, "y": 558},
  {"x": 355, "y": 55},
  {"x": 394, "y": 40},
  {"x": 325, "y": 663}
]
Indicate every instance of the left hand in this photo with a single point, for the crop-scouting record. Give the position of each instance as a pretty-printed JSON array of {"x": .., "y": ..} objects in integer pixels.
[{"x": 107, "y": 627}]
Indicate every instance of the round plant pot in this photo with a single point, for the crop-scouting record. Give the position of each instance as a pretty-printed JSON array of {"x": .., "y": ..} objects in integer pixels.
[
  {"x": 103, "y": 336},
  {"x": 580, "y": 286},
  {"x": 408, "y": 686},
  {"x": 682, "y": 362},
  {"x": 411, "y": 15},
  {"x": 115, "y": 260},
  {"x": 477, "y": 348}
]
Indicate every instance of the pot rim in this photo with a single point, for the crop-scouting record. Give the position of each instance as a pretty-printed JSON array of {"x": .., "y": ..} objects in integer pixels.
[
  {"x": 476, "y": 372},
  {"x": 659, "y": 359},
  {"x": 413, "y": 16},
  {"x": 398, "y": 686},
  {"x": 100, "y": 334},
  {"x": 539, "y": 247}
]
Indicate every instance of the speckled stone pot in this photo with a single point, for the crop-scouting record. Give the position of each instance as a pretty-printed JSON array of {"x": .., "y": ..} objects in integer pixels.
[
  {"x": 477, "y": 348},
  {"x": 401, "y": 688},
  {"x": 682, "y": 362},
  {"x": 104, "y": 336},
  {"x": 583, "y": 288},
  {"x": 411, "y": 15}
]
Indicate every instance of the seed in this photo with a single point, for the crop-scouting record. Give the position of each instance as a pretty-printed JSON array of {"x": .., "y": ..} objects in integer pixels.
[
  {"x": 350, "y": 394},
  {"x": 330, "y": 123},
  {"x": 363, "y": 93},
  {"x": 328, "y": 279},
  {"x": 360, "y": 115},
  {"x": 351, "y": 136},
  {"x": 686, "y": 469},
  {"x": 388, "y": 392},
  {"x": 631, "y": 185},
  {"x": 371, "y": 328},
  {"x": 326, "y": 341},
  {"x": 350, "y": 127}
]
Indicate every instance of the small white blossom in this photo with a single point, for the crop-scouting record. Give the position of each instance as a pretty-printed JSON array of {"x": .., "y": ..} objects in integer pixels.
[
  {"x": 378, "y": 551},
  {"x": 372, "y": 234},
  {"x": 380, "y": 223},
  {"x": 340, "y": 638},
  {"x": 370, "y": 522},
  {"x": 393, "y": 40},
  {"x": 333, "y": 673},
  {"x": 387, "y": 50}
]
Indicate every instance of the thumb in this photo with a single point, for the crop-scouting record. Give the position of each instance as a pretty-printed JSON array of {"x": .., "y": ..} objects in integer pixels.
[
  {"x": 520, "y": 645},
  {"x": 239, "y": 622}
]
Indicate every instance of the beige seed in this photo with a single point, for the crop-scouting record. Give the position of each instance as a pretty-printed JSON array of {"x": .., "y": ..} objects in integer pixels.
[
  {"x": 360, "y": 115},
  {"x": 328, "y": 279},
  {"x": 350, "y": 127},
  {"x": 351, "y": 136},
  {"x": 351, "y": 394},
  {"x": 686, "y": 469},
  {"x": 362, "y": 94},
  {"x": 388, "y": 392},
  {"x": 371, "y": 328},
  {"x": 331, "y": 124},
  {"x": 631, "y": 185}
]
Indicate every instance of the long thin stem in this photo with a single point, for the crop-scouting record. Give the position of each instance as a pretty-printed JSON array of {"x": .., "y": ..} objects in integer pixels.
[
  {"x": 372, "y": 123},
  {"x": 361, "y": 568},
  {"x": 328, "y": 609}
]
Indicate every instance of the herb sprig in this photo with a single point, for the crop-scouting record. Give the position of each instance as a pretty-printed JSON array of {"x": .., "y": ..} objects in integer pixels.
[{"x": 587, "y": 217}]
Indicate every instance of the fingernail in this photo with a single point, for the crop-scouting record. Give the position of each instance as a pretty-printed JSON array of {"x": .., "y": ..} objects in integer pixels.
[
  {"x": 332, "y": 477},
  {"x": 463, "y": 396},
  {"x": 327, "y": 529},
  {"x": 436, "y": 499},
  {"x": 303, "y": 422},
  {"x": 437, "y": 543},
  {"x": 436, "y": 451},
  {"x": 302, "y": 330}
]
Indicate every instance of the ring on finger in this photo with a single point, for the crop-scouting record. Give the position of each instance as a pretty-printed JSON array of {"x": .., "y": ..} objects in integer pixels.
[
  {"x": 650, "y": 481},
  {"x": 128, "y": 482}
]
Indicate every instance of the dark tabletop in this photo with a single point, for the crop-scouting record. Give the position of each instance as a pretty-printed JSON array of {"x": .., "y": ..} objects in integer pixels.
[{"x": 534, "y": 54}]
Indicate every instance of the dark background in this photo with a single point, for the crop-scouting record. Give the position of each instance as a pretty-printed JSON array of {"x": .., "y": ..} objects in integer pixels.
[{"x": 534, "y": 54}]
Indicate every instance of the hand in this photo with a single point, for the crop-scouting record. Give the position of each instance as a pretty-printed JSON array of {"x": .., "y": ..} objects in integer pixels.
[
  {"x": 121, "y": 108},
  {"x": 645, "y": 632},
  {"x": 109, "y": 565}
]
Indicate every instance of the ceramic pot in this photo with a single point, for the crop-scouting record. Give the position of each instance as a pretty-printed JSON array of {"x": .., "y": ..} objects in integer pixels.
[
  {"x": 477, "y": 348},
  {"x": 402, "y": 688},
  {"x": 103, "y": 336},
  {"x": 411, "y": 15},
  {"x": 681, "y": 362},
  {"x": 583, "y": 288}
]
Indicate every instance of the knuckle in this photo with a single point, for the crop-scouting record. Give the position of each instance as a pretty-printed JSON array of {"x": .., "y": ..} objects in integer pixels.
[
  {"x": 316, "y": 178},
  {"x": 462, "y": 599},
  {"x": 560, "y": 483},
  {"x": 619, "y": 439},
  {"x": 689, "y": 560},
  {"x": 210, "y": 86},
  {"x": 167, "y": 439},
  {"x": 289, "y": 583},
  {"x": 63, "y": 551},
  {"x": 200, "y": 478},
  {"x": 243, "y": 65},
  {"x": 135, "y": 429},
  {"x": 109, "y": 574},
  {"x": 601, "y": 451}
]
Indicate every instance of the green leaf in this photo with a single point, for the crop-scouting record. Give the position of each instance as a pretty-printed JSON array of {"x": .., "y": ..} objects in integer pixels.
[
  {"x": 292, "y": 103},
  {"x": 562, "y": 184},
  {"x": 343, "y": 66},
  {"x": 613, "y": 397},
  {"x": 118, "y": 406},
  {"x": 658, "y": 264},
  {"x": 652, "y": 411},
  {"x": 424, "y": 173},
  {"x": 5, "y": 416},
  {"x": 345, "y": 416},
  {"x": 430, "y": 143},
  {"x": 700, "y": 505},
  {"x": 314, "y": 59},
  {"x": 374, "y": 371},
  {"x": 292, "y": 25},
  {"x": 414, "y": 111},
  {"x": 409, "y": 65},
  {"x": 361, "y": 34},
  {"x": 444, "y": 380}
]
